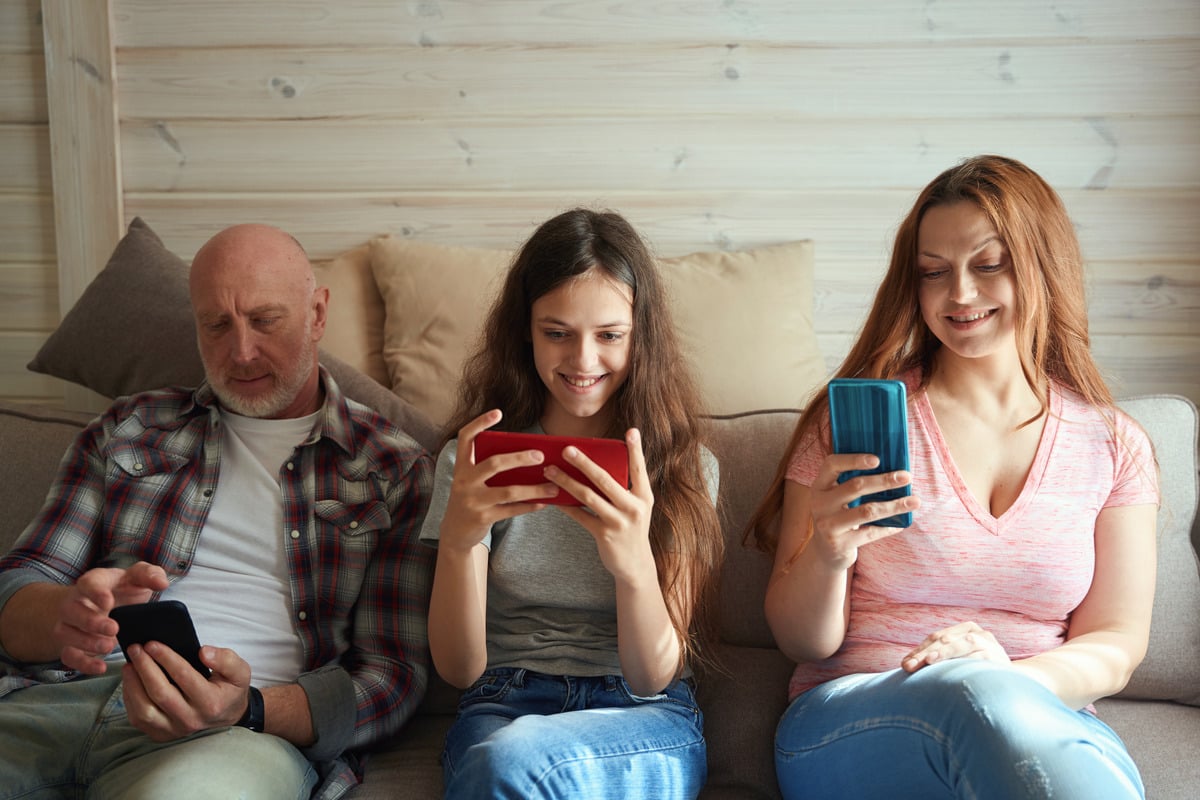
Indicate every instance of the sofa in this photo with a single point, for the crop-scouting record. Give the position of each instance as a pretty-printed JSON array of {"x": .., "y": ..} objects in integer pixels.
[{"x": 131, "y": 330}]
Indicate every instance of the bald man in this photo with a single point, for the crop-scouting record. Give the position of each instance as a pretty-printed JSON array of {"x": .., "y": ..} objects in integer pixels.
[{"x": 285, "y": 517}]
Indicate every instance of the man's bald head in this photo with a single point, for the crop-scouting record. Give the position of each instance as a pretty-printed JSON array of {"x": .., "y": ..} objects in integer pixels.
[{"x": 259, "y": 317}]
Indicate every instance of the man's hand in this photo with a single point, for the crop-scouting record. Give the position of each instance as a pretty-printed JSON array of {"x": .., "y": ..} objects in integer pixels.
[{"x": 166, "y": 711}]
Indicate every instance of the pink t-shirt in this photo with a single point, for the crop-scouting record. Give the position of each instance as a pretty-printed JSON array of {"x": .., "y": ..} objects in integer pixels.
[{"x": 1019, "y": 575}]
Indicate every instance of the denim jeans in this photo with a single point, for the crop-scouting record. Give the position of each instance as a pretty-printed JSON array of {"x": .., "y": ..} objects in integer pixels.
[
  {"x": 959, "y": 729},
  {"x": 522, "y": 734},
  {"x": 74, "y": 740}
]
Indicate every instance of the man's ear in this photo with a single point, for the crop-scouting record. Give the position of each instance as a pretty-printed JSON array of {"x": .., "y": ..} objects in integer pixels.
[{"x": 320, "y": 308}]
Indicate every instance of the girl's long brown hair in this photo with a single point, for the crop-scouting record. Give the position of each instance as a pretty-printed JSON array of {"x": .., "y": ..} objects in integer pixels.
[
  {"x": 659, "y": 397},
  {"x": 1051, "y": 309}
]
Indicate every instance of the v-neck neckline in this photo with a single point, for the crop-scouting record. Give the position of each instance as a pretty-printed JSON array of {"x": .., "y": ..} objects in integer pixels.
[{"x": 981, "y": 512}]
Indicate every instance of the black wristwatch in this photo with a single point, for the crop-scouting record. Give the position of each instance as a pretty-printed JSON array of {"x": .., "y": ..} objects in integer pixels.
[{"x": 253, "y": 718}]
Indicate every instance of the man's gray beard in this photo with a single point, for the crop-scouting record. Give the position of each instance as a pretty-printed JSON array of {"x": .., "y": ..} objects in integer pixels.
[{"x": 278, "y": 399}]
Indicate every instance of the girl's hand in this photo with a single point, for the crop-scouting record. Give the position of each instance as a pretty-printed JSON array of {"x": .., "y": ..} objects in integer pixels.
[
  {"x": 618, "y": 518},
  {"x": 474, "y": 506},
  {"x": 838, "y": 530},
  {"x": 964, "y": 640}
]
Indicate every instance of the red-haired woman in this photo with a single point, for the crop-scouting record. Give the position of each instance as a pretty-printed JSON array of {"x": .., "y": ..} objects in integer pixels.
[{"x": 959, "y": 657}]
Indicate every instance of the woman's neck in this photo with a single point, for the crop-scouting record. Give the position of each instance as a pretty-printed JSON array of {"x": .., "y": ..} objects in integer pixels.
[{"x": 994, "y": 388}]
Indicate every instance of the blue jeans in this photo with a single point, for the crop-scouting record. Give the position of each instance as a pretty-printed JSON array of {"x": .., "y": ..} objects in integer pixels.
[
  {"x": 522, "y": 734},
  {"x": 963, "y": 729},
  {"x": 73, "y": 740}
]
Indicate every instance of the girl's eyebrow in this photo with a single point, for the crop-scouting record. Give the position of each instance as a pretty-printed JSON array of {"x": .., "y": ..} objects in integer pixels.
[{"x": 547, "y": 320}]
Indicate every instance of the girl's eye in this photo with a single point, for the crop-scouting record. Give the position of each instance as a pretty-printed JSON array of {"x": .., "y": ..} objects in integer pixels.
[
  {"x": 612, "y": 336},
  {"x": 932, "y": 275},
  {"x": 555, "y": 335},
  {"x": 988, "y": 267}
]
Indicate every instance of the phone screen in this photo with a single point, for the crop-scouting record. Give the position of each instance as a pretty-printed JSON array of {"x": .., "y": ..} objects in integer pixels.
[
  {"x": 166, "y": 621},
  {"x": 871, "y": 416},
  {"x": 610, "y": 454}
]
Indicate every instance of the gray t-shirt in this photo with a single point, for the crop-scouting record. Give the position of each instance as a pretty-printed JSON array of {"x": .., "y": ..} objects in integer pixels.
[{"x": 551, "y": 602}]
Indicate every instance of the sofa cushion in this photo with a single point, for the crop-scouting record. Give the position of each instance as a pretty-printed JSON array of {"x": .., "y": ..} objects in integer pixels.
[
  {"x": 744, "y": 318},
  {"x": 132, "y": 330},
  {"x": 34, "y": 440},
  {"x": 1171, "y": 669},
  {"x": 354, "y": 328}
]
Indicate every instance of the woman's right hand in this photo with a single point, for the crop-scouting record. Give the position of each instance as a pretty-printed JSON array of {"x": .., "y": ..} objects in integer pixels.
[
  {"x": 474, "y": 506},
  {"x": 838, "y": 529}
]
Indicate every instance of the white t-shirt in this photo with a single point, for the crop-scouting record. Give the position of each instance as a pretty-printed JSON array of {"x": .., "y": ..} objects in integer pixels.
[{"x": 237, "y": 589}]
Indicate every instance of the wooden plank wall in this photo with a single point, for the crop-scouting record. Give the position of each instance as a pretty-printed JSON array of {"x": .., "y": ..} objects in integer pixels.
[{"x": 712, "y": 125}]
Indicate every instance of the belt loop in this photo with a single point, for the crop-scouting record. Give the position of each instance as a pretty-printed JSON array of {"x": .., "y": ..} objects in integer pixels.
[{"x": 518, "y": 678}]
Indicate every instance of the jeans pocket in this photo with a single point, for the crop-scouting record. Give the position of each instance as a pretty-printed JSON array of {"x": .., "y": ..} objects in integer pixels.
[
  {"x": 490, "y": 687},
  {"x": 680, "y": 696}
]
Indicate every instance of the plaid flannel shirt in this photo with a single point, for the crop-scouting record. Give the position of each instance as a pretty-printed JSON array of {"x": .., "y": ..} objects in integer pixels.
[{"x": 137, "y": 485}]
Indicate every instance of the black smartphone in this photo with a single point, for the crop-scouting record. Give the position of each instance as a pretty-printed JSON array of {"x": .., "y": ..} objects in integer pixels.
[
  {"x": 166, "y": 621},
  {"x": 871, "y": 416}
]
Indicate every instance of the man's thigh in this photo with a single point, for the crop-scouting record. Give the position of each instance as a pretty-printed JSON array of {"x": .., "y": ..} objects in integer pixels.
[
  {"x": 231, "y": 762},
  {"x": 43, "y": 729}
]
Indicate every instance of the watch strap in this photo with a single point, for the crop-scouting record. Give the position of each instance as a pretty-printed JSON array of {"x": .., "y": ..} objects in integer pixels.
[{"x": 253, "y": 718}]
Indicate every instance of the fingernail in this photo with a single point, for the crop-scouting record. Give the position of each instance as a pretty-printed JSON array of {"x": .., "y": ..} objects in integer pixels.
[{"x": 570, "y": 452}]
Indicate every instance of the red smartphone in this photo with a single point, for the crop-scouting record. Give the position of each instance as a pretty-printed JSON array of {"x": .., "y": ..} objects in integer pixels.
[{"x": 610, "y": 454}]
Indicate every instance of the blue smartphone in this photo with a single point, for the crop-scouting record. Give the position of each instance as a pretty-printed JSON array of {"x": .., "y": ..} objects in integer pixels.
[{"x": 871, "y": 416}]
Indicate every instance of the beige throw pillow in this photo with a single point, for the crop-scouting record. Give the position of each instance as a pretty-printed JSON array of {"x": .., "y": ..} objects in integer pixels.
[
  {"x": 745, "y": 320},
  {"x": 354, "y": 330}
]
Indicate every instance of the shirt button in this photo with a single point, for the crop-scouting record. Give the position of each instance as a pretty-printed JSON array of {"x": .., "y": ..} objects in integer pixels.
[
  {"x": 353, "y": 524},
  {"x": 208, "y": 492},
  {"x": 290, "y": 466},
  {"x": 295, "y": 534},
  {"x": 139, "y": 467},
  {"x": 303, "y": 615}
]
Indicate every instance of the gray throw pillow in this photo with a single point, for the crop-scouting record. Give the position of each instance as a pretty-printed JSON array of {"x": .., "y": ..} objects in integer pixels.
[{"x": 131, "y": 330}]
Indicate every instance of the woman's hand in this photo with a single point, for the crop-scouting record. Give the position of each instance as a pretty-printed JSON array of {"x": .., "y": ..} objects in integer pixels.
[
  {"x": 618, "y": 518},
  {"x": 474, "y": 506},
  {"x": 838, "y": 529},
  {"x": 964, "y": 640}
]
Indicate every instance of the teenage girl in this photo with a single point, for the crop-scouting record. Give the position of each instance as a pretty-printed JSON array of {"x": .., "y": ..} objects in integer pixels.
[{"x": 572, "y": 628}]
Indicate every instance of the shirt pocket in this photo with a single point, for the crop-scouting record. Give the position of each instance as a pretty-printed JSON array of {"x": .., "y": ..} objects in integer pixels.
[
  {"x": 347, "y": 538},
  {"x": 137, "y": 461},
  {"x": 352, "y": 519}
]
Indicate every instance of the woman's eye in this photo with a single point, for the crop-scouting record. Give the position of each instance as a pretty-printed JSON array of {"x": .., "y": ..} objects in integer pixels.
[
  {"x": 612, "y": 336},
  {"x": 932, "y": 275},
  {"x": 988, "y": 267},
  {"x": 555, "y": 335}
]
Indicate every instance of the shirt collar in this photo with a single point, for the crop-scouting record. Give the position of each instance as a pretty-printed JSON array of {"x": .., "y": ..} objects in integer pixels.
[{"x": 335, "y": 423}]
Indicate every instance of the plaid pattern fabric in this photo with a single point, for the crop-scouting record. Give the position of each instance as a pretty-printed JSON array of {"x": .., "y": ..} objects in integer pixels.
[{"x": 138, "y": 483}]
